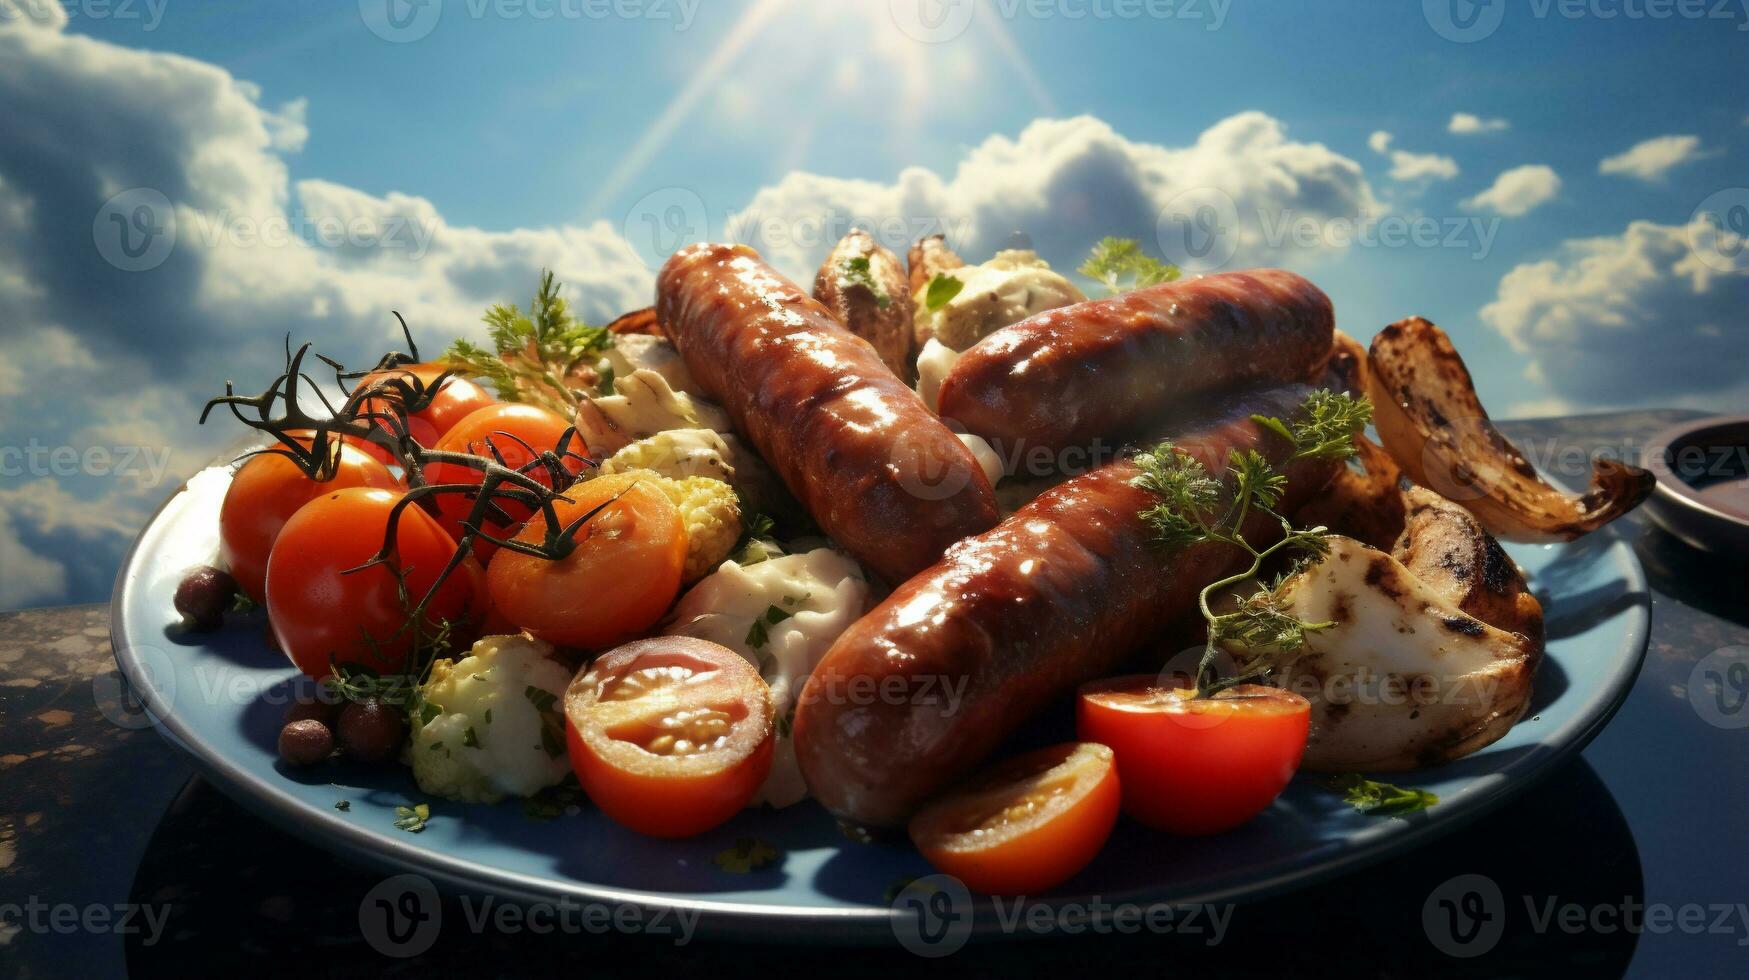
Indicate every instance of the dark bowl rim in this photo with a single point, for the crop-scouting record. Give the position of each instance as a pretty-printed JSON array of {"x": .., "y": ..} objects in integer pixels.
[{"x": 1678, "y": 489}]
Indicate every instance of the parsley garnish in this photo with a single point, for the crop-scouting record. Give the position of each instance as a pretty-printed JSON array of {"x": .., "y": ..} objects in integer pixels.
[
  {"x": 941, "y": 291},
  {"x": 1194, "y": 507},
  {"x": 1380, "y": 799},
  {"x": 748, "y": 854},
  {"x": 856, "y": 272},
  {"x": 469, "y": 739},
  {"x": 545, "y": 357},
  {"x": 1120, "y": 265},
  {"x": 343, "y": 805},
  {"x": 412, "y": 819},
  {"x": 758, "y": 634}
]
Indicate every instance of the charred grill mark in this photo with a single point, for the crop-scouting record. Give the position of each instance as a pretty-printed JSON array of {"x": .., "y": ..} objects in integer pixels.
[{"x": 1463, "y": 625}]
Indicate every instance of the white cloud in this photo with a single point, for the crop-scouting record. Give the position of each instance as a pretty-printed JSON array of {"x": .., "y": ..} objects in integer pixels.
[
  {"x": 1652, "y": 159},
  {"x": 1467, "y": 123},
  {"x": 1517, "y": 191},
  {"x": 1651, "y": 316},
  {"x": 255, "y": 257},
  {"x": 30, "y": 579},
  {"x": 1064, "y": 183},
  {"x": 1412, "y": 167}
]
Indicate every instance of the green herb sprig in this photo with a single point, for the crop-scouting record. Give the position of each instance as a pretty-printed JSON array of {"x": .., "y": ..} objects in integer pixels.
[
  {"x": 1195, "y": 507},
  {"x": 941, "y": 291},
  {"x": 857, "y": 272},
  {"x": 1120, "y": 265},
  {"x": 1380, "y": 799},
  {"x": 544, "y": 357}
]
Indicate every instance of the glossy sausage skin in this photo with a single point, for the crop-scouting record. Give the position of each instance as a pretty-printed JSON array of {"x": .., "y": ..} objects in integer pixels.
[
  {"x": 932, "y": 680},
  {"x": 1070, "y": 376},
  {"x": 880, "y": 473}
]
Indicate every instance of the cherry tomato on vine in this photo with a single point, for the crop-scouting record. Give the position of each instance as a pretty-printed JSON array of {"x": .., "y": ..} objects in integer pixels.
[
  {"x": 619, "y": 579},
  {"x": 670, "y": 736},
  {"x": 455, "y": 400},
  {"x": 509, "y": 427},
  {"x": 1195, "y": 765},
  {"x": 321, "y": 614},
  {"x": 1026, "y": 825},
  {"x": 266, "y": 491}
]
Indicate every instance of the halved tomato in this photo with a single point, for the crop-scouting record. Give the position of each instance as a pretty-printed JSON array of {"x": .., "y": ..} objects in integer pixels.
[
  {"x": 670, "y": 736},
  {"x": 1195, "y": 765},
  {"x": 1028, "y": 824}
]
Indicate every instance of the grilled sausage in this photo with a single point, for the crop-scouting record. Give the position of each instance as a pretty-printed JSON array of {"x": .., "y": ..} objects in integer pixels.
[
  {"x": 1069, "y": 376},
  {"x": 934, "y": 678},
  {"x": 863, "y": 284},
  {"x": 881, "y": 474}
]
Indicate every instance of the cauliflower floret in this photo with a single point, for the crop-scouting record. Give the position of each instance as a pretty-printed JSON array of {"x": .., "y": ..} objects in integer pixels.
[
  {"x": 643, "y": 404},
  {"x": 632, "y": 352},
  {"x": 1012, "y": 286},
  {"x": 781, "y": 614},
  {"x": 678, "y": 454},
  {"x": 497, "y": 730}
]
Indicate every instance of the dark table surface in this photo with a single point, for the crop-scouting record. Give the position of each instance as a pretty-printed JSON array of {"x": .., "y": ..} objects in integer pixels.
[{"x": 1630, "y": 860}]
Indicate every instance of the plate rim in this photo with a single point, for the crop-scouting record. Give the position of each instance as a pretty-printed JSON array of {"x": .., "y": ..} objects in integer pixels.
[{"x": 752, "y": 921}]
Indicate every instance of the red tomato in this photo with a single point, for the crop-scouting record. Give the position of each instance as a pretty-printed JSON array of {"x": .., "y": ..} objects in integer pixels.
[
  {"x": 504, "y": 425},
  {"x": 670, "y": 736},
  {"x": 1196, "y": 765},
  {"x": 265, "y": 492},
  {"x": 455, "y": 400},
  {"x": 320, "y": 614},
  {"x": 1026, "y": 825},
  {"x": 622, "y": 576}
]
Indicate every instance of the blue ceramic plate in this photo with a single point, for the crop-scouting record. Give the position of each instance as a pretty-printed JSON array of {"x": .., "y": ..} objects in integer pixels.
[{"x": 220, "y": 696}]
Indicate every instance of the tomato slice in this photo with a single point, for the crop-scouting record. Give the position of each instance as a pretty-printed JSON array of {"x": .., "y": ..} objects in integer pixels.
[
  {"x": 1196, "y": 765},
  {"x": 621, "y": 577},
  {"x": 1028, "y": 824},
  {"x": 670, "y": 736}
]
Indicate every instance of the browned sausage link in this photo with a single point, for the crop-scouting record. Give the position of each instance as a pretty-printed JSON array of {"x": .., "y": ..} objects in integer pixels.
[
  {"x": 881, "y": 474},
  {"x": 1069, "y": 376},
  {"x": 934, "y": 678}
]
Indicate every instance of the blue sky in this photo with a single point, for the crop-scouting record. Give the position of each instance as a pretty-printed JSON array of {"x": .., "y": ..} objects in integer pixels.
[{"x": 1571, "y": 256}]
